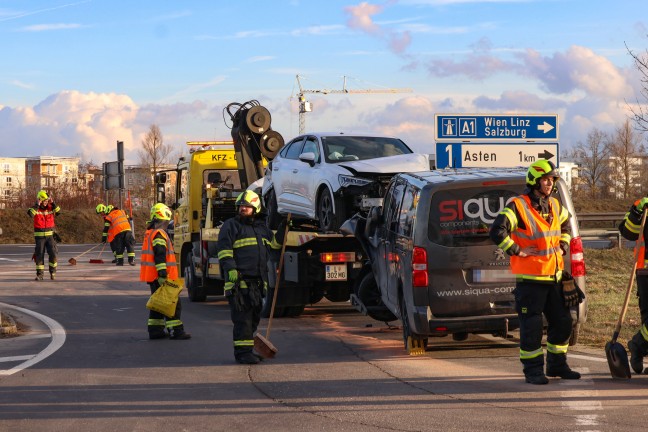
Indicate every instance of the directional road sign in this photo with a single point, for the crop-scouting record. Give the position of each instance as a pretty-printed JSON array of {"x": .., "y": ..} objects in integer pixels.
[
  {"x": 460, "y": 155},
  {"x": 507, "y": 127}
]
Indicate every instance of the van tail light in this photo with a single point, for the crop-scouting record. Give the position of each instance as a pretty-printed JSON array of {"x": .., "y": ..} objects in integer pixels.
[
  {"x": 419, "y": 267},
  {"x": 577, "y": 257}
]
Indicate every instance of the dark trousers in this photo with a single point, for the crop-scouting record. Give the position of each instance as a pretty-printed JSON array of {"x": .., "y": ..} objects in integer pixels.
[
  {"x": 157, "y": 322},
  {"x": 642, "y": 294},
  {"x": 43, "y": 244},
  {"x": 532, "y": 300},
  {"x": 123, "y": 240},
  {"x": 246, "y": 314}
]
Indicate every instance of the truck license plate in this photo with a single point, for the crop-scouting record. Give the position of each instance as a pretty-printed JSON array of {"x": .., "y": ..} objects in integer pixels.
[{"x": 336, "y": 272}]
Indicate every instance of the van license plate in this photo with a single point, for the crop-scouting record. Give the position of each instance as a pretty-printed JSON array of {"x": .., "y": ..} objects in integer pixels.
[{"x": 336, "y": 272}]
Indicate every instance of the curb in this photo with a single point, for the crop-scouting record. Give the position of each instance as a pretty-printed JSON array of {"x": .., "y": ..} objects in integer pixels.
[{"x": 7, "y": 324}]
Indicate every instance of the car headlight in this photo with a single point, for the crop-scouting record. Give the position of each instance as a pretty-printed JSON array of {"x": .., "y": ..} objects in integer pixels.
[{"x": 347, "y": 180}]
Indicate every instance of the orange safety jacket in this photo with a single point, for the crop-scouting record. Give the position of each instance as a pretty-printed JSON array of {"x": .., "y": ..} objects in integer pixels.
[
  {"x": 118, "y": 222},
  {"x": 148, "y": 269},
  {"x": 539, "y": 233},
  {"x": 641, "y": 255}
]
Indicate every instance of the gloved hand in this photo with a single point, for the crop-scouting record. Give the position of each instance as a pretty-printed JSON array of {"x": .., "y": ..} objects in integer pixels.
[
  {"x": 642, "y": 204},
  {"x": 570, "y": 293},
  {"x": 161, "y": 280},
  {"x": 281, "y": 230},
  {"x": 232, "y": 275}
]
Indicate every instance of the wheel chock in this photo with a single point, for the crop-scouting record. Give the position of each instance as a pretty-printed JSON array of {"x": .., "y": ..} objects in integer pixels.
[{"x": 415, "y": 346}]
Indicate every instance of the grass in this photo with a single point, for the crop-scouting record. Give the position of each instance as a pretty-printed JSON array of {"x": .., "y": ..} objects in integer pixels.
[{"x": 608, "y": 275}]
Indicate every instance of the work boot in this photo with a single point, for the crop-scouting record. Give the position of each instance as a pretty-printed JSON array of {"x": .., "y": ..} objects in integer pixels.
[
  {"x": 120, "y": 262},
  {"x": 157, "y": 334},
  {"x": 39, "y": 277},
  {"x": 247, "y": 358},
  {"x": 114, "y": 261},
  {"x": 131, "y": 262},
  {"x": 180, "y": 335},
  {"x": 636, "y": 355},
  {"x": 563, "y": 372},
  {"x": 257, "y": 355},
  {"x": 536, "y": 377},
  {"x": 52, "y": 276}
]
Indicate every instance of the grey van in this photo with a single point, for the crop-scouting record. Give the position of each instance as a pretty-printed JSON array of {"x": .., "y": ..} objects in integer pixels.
[{"x": 431, "y": 262}]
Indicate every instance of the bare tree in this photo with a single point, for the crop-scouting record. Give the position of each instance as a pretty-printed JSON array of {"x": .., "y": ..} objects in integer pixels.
[
  {"x": 625, "y": 163},
  {"x": 593, "y": 158},
  {"x": 154, "y": 153},
  {"x": 640, "y": 111}
]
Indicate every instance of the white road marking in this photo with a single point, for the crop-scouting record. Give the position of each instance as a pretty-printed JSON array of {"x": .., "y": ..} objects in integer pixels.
[
  {"x": 588, "y": 401},
  {"x": 58, "y": 339},
  {"x": 16, "y": 358},
  {"x": 569, "y": 355}
]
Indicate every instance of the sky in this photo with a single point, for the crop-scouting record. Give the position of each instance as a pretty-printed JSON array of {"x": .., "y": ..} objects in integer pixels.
[{"x": 78, "y": 76}]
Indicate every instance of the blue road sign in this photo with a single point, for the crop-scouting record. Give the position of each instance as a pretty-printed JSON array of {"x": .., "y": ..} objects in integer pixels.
[
  {"x": 487, "y": 155},
  {"x": 499, "y": 127}
]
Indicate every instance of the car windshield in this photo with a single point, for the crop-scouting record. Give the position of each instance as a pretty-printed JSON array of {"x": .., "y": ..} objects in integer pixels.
[{"x": 351, "y": 148}]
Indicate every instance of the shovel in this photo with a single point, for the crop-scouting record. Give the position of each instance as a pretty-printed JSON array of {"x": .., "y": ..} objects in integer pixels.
[
  {"x": 73, "y": 261},
  {"x": 262, "y": 345},
  {"x": 616, "y": 354}
]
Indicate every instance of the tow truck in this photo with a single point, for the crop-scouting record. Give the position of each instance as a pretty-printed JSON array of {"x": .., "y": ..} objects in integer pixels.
[{"x": 317, "y": 265}]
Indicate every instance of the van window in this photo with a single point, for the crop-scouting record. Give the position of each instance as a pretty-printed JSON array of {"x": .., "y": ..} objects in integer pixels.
[
  {"x": 463, "y": 216},
  {"x": 392, "y": 205},
  {"x": 408, "y": 211}
]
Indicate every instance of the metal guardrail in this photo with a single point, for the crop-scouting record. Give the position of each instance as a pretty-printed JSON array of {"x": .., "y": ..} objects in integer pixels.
[
  {"x": 614, "y": 217},
  {"x": 612, "y": 233}
]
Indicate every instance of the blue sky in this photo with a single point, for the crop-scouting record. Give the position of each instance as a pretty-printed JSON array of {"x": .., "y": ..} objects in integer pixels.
[{"x": 75, "y": 77}]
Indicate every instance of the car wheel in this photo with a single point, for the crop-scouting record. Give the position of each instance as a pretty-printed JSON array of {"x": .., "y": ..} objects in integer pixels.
[
  {"x": 326, "y": 216},
  {"x": 410, "y": 339},
  {"x": 369, "y": 295},
  {"x": 194, "y": 290},
  {"x": 273, "y": 214}
]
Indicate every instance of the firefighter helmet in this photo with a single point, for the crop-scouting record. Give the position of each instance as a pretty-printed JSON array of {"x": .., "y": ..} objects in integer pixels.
[
  {"x": 42, "y": 195},
  {"x": 100, "y": 209},
  {"x": 161, "y": 212},
  {"x": 109, "y": 208},
  {"x": 249, "y": 199},
  {"x": 539, "y": 169}
]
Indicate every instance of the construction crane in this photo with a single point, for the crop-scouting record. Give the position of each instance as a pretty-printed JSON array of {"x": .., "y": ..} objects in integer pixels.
[{"x": 305, "y": 106}]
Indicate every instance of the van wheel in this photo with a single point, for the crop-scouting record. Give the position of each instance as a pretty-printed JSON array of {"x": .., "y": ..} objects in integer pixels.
[
  {"x": 412, "y": 341},
  {"x": 369, "y": 295},
  {"x": 194, "y": 290},
  {"x": 273, "y": 213},
  {"x": 294, "y": 311},
  {"x": 326, "y": 216}
]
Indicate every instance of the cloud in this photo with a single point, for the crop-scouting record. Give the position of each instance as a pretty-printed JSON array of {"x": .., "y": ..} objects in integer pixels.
[
  {"x": 22, "y": 85},
  {"x": 361, "y": 19},
  {"x": 519, "y": 100},
  {"x": 50, "y": 27}
]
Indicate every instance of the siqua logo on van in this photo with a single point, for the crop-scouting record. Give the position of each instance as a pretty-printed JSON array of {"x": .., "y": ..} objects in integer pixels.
[{"x": 484, "y": 209}]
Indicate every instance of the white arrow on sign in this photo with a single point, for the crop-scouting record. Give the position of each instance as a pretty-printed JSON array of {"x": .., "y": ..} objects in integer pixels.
[
  {"x": 545, "y": 127},
  {"x": 506, "y": 155}
]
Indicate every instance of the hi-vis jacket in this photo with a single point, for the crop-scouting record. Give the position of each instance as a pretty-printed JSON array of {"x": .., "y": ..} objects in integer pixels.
[
  {"x": 44, "y": 218},
  {"x": 246, "y": 247},
  {"x": 629, "y": 229},
  {"x": 115, "y": 222},
  {"x": 523, "y": 223},
  {"x": 158, "y": 257}
]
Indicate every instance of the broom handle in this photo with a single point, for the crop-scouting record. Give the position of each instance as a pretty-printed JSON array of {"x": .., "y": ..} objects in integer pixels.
[
  {"x": 626, "y": 301},
  {"x": 91, "y": 249},
  {"x": 276, "y": 287},
  {"x": 102, "y": 249}
]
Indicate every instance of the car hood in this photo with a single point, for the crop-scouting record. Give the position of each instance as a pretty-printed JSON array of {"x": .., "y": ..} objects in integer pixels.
[{"x": 389, "y": 165}]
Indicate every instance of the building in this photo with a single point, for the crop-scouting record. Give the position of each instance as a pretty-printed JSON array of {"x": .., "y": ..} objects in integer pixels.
[
  {"x": 569, "y": 172},
  {"x": 12, "y": 179},
  {"x": 51, "y": 172}
]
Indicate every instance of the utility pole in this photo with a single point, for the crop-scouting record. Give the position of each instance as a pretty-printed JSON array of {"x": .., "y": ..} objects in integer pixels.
[{"x": 305, "y": 106}]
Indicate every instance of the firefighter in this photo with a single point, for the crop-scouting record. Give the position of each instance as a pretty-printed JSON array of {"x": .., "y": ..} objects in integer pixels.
[
  {"x": 102, "y": 210},
  {"x": 117, "y": 231},
  {"x": 534, "y": 230},
  {"x": 245, "y": 246},
  {"x": 158, "y": 264},
  {"x": 44, "y": 212},
  {"x": 629, "y": 228}
]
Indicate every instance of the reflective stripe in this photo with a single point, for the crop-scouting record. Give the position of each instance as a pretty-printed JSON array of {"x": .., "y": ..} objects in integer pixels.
[
  {"x": 225, "y": 253},
  {"x": 249, "y": 241},
  {"x": 557, "y": 349},
  {"x": 155, "y": 322},
  {"x": 244, "y": 343},
  {"x": 43, "y": 233},
  {"x": 506, "y": 244},
  {"x": 173, "y": 323},
  {"x": 510, "y": 215},
  {"x": 526, "y": 355},
  {"x": 644, "y": 332}
]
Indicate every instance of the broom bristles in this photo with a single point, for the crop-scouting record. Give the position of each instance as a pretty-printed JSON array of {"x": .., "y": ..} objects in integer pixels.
[{"x": 264, "y": 347}]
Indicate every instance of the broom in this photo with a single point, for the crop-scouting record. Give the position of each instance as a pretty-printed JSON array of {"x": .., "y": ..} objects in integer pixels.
[
  {"x": 99, "y": 260},
  {"x": 73, "y": 261},
  {"x": 262, "y": 345}
]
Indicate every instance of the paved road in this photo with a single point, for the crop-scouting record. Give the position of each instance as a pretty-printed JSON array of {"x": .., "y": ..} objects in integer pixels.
[{"x": 85, "y": 363}]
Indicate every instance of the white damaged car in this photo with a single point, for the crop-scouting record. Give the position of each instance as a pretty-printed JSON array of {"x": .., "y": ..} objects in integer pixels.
[{"x": 328, "y": 177}]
